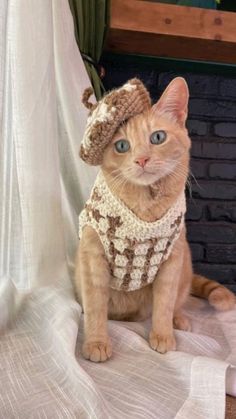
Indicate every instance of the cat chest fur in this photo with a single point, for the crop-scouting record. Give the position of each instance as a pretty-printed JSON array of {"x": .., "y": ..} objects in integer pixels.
[{"x": 135, "y": 249}]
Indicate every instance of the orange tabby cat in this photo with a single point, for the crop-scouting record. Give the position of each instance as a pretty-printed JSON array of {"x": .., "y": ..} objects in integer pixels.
[{"x": 145, "y": 166}]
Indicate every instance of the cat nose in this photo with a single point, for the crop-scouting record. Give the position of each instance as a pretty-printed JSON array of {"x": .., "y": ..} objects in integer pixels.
[{"x": 141, "y": 161}]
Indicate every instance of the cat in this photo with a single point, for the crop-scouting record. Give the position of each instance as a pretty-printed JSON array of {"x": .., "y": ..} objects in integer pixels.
[{"x": 145, "y": 167}]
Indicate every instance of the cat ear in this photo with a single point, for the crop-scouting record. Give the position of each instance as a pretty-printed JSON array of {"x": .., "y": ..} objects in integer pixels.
[{"x": 174, "y": 101}]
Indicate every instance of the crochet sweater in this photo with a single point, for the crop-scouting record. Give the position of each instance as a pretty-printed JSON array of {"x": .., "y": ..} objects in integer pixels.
[{"x": 135, "y": 249}]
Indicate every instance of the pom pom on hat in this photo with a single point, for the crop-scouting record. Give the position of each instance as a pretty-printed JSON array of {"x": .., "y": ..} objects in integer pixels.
[{"x": 107, "y": 115}]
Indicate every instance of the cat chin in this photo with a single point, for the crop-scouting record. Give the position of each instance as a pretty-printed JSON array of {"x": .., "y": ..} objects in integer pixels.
[
  {"x": 145, "y": 183},
  {"x": 146, "y": 179},
  {"x": 149, "y": 179}
]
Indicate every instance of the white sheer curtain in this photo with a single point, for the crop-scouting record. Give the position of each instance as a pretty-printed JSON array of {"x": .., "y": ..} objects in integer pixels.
[
  {"x": 43, "y": 185},
  {"x": 43, "y": 182}
]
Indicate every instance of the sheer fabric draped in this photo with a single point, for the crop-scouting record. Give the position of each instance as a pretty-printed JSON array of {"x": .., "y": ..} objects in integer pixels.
[{"x": 43, "y": 185}]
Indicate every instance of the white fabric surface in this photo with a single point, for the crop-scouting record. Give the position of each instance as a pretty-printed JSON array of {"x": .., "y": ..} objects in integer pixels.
[{"x": 43, "y": 185}]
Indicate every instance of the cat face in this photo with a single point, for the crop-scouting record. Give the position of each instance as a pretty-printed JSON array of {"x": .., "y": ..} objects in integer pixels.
[{"x": 151, "y": 145}]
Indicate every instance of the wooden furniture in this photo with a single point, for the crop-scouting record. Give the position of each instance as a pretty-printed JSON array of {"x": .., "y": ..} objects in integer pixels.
[
  {"x": 230, "y": 407},
  {"x": 165, "y": 30}
]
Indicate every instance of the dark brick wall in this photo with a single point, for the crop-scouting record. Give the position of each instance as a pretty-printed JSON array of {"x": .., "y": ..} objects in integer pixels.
[{"x": 211, "y": 214}]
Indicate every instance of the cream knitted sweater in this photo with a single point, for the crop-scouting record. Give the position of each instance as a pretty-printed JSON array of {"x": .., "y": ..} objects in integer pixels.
[{"x": 135, "y": 249}]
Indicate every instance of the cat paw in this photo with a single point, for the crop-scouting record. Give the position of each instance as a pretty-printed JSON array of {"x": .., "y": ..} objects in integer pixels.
[
  {"x": 182, "y": 322},
  {"x": 97, "y": 351},
  {"x": 162, "y": 343}
]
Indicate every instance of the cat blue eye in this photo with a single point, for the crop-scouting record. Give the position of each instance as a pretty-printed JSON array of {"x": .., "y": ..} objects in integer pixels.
[
  {"x": 158, "y": 137},
  {"x": 122, "y": 146}
]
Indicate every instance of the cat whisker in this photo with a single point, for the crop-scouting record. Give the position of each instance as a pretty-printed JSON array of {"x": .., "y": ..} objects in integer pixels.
[{"x": 119, "y": 180}]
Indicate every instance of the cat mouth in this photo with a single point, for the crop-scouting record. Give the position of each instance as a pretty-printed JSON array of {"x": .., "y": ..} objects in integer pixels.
[
  {"x": 145, "y": 172},
  {"x": 149, "y": 172},
  {"x": 146, "y": 177}
]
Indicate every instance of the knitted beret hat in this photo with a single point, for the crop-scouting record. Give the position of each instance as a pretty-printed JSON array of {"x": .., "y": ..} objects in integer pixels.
[{"x": 106, "y": 116}]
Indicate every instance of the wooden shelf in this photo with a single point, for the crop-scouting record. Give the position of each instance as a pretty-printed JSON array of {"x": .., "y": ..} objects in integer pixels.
[{"x": 165, "y": 30}]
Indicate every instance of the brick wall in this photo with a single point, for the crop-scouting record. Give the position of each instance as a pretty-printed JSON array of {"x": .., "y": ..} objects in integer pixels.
[{"x": 211, "y": 202}]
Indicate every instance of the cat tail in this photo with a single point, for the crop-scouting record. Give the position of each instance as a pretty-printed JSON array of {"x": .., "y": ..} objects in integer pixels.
[{"x": 218, "y": 296}]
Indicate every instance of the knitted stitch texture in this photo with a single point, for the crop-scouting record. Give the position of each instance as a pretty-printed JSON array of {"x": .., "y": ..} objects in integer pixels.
[
  {"x": 135, "y": 249},
  {"x": 107, "y": 115}
]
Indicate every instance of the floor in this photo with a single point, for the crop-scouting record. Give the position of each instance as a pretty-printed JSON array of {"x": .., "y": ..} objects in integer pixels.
[{"x": 230, "y": 407}]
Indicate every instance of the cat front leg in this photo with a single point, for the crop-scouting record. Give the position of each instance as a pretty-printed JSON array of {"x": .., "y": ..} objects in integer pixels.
[
  {"x": 165, "y": 289},
  {"x": 91, "y": 282}
]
